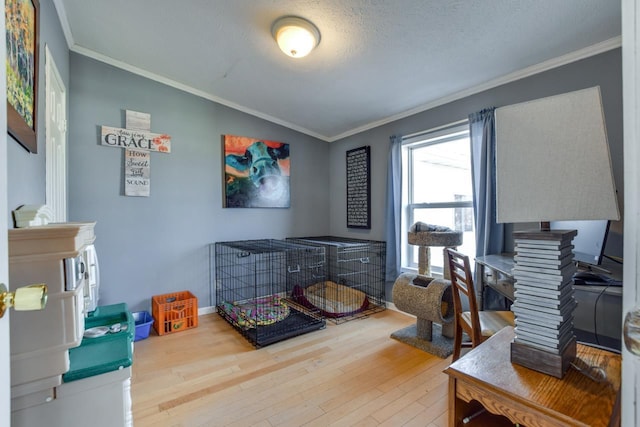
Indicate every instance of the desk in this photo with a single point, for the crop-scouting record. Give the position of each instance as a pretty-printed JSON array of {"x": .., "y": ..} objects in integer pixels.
[
  {"x": 597, "y": 317},
  {"x": 494, "y": 271},
  {"x": 485, "y": 377}
]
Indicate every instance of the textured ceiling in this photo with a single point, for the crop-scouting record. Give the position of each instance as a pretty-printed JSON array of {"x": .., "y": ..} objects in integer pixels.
[{"x": 378, "y": 60}]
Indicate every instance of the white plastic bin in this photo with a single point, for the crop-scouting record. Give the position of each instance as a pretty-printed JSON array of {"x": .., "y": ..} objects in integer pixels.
[{"x": 99, "y": 401}]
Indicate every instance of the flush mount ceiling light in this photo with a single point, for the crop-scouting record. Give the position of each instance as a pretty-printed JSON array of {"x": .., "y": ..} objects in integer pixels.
[{"x": 295, "y": 36}]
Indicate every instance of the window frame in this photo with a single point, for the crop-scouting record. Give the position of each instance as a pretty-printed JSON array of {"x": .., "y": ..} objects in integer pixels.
[{"x": 410, "y": 143}]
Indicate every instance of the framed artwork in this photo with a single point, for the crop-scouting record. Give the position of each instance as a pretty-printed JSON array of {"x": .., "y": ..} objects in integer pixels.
[
  {"x": 256, "y": 173},
  {"x": 359, "y": 188},
  {"x": 22, "y": 20}
]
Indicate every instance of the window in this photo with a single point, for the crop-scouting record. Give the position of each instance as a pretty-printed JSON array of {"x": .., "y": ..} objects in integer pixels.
[{"x": 437, "y": 189}]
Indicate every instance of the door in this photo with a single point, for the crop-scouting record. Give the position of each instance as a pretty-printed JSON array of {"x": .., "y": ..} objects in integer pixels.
[
  {"x": 5, "y": 381},
  {"x": 5, "y": 362},
  {"x": 631, "y": 109},
  {"x": 56, "y": 140}
]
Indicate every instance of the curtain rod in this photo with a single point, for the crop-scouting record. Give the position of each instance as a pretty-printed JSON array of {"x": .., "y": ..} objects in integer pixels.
[{"x": 424, "y": 132}]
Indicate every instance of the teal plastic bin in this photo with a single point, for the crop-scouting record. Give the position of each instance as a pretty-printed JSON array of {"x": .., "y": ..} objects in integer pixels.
[
  {"x": 106, "y": 353},
  {"x": 108, "y": 315}
]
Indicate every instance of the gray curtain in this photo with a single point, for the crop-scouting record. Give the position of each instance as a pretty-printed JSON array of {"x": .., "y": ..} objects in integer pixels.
[
  {"x": 394, "y": 206},
  {"x": 489, "y": 234}
]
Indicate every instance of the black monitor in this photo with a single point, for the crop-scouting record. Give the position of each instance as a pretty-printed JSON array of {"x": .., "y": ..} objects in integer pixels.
[{"x": 590, "y": 241}]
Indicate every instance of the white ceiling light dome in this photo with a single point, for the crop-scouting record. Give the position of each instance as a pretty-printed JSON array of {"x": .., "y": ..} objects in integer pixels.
[{"x": 296, "y": 36}]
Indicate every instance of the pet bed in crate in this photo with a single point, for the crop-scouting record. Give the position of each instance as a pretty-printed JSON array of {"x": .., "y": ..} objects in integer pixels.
[
  {"x": 332, "y": 299},
  {"x": 256, "y": 312}
]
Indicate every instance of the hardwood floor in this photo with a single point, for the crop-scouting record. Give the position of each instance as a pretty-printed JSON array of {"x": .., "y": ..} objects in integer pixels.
[{"x": 352, "y": 374}]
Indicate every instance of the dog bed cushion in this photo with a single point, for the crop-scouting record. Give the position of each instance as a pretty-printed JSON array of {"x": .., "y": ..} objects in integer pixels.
[
  {"x": 257, "y": 311},
  {"x": 332, "y": 299}
]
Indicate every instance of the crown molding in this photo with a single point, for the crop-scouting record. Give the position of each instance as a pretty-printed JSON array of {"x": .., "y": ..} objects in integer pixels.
[
  {"x": 185, "y": 88},
  {"x": 587, "y": 52},
  {"x": 577, "y": 55},
  {"x": 64, "y": 22}
]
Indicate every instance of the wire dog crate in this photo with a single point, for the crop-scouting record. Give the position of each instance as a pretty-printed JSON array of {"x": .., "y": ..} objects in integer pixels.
[
  {"x": 355, "y": 284},
  {"x": 254, "y": 280}
]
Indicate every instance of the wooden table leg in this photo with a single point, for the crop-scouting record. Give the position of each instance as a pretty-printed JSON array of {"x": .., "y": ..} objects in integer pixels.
[{"x": 454, "y": 405}]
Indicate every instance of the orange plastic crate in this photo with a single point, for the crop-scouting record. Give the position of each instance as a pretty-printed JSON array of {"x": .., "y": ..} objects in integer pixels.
[{"x": 174, "y": 312}]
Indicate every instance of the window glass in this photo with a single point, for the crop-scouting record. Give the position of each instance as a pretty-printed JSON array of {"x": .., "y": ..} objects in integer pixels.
[
  {"x": 437, "y": 190},
  {"x": 446, "y": 163}
]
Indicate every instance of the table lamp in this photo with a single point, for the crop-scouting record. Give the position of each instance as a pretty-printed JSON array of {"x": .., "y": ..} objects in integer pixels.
[{"x": 552, "y": 164}]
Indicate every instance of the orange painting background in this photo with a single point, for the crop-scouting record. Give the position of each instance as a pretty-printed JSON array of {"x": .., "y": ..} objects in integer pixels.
[{"x": 238, "y": 145}]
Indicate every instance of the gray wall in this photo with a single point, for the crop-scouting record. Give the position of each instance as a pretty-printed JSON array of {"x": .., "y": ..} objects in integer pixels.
[
  {"x": 159, "y": 244},
  {"x": 26, "y": 171},
  {"x": 604, "y": 70},
  {"x": 153, "y": 245}
]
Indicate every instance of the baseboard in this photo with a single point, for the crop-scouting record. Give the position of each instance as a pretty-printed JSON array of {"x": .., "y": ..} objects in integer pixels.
[
  {"x": 212, "y": 309},
  {"x": 392, "y": 306},
  {"x": 206, "y": 310}
]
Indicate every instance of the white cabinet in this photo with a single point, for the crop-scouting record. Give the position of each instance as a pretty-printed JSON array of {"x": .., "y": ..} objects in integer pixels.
[{"x": 52, "y": 254}]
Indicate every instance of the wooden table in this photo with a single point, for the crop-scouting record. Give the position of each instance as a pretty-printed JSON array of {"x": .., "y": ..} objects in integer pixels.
[{"x": 485, "y": 377}]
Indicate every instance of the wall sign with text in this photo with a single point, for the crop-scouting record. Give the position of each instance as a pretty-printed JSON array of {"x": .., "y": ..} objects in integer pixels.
[
  {"x": 137, "y": 167},
  {"x": 359, "y": 187},
  {"x": 138, "y": 143},
  {"x": 136, "y": 139}
]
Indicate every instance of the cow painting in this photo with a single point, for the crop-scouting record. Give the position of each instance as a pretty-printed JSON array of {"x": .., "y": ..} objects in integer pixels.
[{"x": 256, "y": 173}]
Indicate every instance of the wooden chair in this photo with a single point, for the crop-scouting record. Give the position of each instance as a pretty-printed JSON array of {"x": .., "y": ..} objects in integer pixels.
[{"x": 479, "y": 325}]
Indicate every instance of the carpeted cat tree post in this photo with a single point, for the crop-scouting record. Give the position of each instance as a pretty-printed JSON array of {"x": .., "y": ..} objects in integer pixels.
[{"x": 429, "y": 299}]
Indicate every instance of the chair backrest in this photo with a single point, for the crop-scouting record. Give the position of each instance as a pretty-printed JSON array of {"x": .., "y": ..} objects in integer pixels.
[{"x": 462, "y": 283}]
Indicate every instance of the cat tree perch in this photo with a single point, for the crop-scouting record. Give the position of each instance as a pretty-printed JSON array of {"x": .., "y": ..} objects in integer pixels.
[{"x": 425, "y": 236}]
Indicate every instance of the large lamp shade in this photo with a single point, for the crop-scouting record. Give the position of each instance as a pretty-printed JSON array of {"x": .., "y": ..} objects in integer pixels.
[{"x": 552, "y": 160}]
